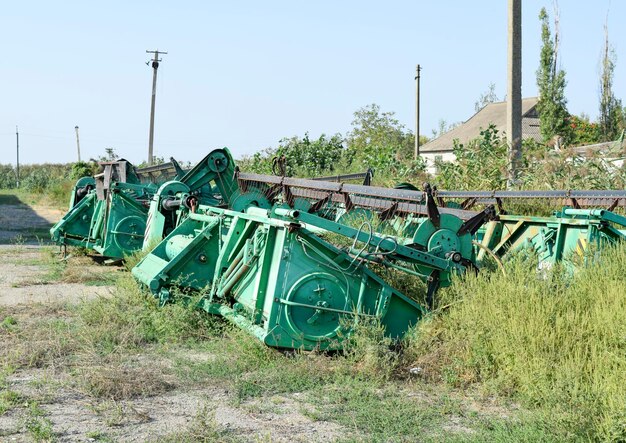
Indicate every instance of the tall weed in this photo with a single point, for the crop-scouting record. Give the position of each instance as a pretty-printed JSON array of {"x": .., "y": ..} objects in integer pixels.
[{"x": 556, "y": 342}]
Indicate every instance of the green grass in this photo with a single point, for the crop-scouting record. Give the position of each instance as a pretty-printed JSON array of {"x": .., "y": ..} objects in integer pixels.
[
  {"x": 38, "y": 426},
  {"x": 81, "y": 269},
  {"x": 56, "y": 196},
  {"x": 99, "y": 436},
  {"x": 557, "y": 344},
  {"x": 9, "y": 399}
]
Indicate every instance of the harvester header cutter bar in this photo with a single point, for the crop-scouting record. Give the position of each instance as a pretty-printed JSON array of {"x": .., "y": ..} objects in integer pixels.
[
  {"x": 366, "y": 177},
  {"x": 318, "y": 193},
  {"x": 577, "y": 199}
]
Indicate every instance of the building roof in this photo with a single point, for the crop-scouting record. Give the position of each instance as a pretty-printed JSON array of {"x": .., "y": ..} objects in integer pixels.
[{"x": 493, "y": 113}]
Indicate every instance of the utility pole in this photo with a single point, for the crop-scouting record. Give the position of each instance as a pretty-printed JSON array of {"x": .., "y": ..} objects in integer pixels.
[
  {"x": 155, "y": 66},
  {"x": 417, "y": 112},
  {"x": 17, "y": 169},
  {"x": 514, "y": 92},
  {"x": 77, "y": 143}
]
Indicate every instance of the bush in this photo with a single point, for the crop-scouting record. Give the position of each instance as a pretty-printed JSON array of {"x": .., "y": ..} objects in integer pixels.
[
  {"x": 481, "y": 164},
  {"x": 304, "y": 157},
  {"x": 51, "y": 183},
  {"x": 37, "y": 181},
  {"x": 83, "y": 169},
  {"x": 7, "y": 177}
]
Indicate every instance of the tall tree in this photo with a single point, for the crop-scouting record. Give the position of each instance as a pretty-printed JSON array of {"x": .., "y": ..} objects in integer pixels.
[
  {"x": 610, "y": 107},
  {"x": 551, "y": 83}
]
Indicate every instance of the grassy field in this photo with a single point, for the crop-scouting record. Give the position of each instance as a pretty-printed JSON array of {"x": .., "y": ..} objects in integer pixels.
[
  {"x": 123, "y": 346},
  {"x": 515, "y": 358}
]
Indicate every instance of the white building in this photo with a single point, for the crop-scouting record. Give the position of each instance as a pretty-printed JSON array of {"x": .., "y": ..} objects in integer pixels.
[{"x": 494, "y": 113}]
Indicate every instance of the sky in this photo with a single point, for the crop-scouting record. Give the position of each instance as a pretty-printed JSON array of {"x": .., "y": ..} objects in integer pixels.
[{"x": 244, "y": 74}]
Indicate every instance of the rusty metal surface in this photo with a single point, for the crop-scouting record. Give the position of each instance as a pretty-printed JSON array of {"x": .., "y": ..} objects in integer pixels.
[
  {"x": 399, "y": 201},
  {"x": 366, "y": 177},
  {"x": 611, "y": 198},
  {"x": 158, "y": 173}
]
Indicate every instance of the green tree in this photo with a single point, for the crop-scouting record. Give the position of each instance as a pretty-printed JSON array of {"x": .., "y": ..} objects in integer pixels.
[
  {"x": 311, "y": 157},
  {"x": 304, "y": 156},
  {"x": 611, "y": 116},
  {"x": 551, "y": 83},
  {"x": 83, "y": 169},
  {"x": 380, "y": 141}
]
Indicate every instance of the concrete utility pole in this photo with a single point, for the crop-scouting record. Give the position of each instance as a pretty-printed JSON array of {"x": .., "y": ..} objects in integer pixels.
[
  {"x": 514, "y": 92},
  {"x": 77, "y": 143},
  {"x": 417, "y": 112},
  {"x": 155, "y": 66},
  {"x": 17, "y": 169}
]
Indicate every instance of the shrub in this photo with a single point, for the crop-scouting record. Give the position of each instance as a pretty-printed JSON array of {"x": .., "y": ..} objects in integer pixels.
[
  {"x": 83, "y": 169},
  {"x": 481, "y": 164},
  {"x": 7, "y": 177}
]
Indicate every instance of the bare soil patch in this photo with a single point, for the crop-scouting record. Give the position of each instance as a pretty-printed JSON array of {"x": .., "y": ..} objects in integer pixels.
[
  {"x": 24, "y": 224},
  {"x": 25, "y": 277}
]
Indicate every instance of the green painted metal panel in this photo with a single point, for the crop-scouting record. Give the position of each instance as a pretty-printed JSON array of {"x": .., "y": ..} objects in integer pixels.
[{"x": 571, "y": 235}]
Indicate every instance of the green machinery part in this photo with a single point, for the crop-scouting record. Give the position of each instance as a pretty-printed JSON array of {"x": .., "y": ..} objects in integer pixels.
[
  {"x": 209, "y": 182},
  {"x": 268, "y": 273},
  {"x": 124, "y": 209},
  {"x": 571, "y": 235},
  {"x": 271, "y": 269},
  {"x": 77, "y": 220},
  {"x": 108, "y": 212},
  {"x": 127, "y": 209}
]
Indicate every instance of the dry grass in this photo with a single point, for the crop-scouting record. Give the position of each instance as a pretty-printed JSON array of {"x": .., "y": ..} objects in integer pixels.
[
  {"x": 40, "y": 336},
  {"x": 121, "y": 381},
  {"x": 80, "y": 269}
]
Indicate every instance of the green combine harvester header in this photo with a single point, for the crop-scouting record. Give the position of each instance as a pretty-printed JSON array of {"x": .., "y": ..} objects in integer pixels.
[
  {"x": 271, "y": 260},
  {"x": 298, "y": 263},
  {"x": 108, "y": 212}
]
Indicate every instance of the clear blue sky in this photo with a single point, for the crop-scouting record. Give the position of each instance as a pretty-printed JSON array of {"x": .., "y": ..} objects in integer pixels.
[{"x": 244, "y": 74}]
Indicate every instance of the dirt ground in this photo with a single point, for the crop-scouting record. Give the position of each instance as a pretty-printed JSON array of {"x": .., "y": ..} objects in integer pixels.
[
  {"x": 51, "y": 408},
  {"x": 73, "y": 416},
  {"x": 24, "y": 278},
  {"x": 24, "y": 224}
]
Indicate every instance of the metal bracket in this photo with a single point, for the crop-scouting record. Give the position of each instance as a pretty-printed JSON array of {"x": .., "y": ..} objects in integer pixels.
[
  {"x": 431, "y": 206},
  {"x": 473, "y": 224}
]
